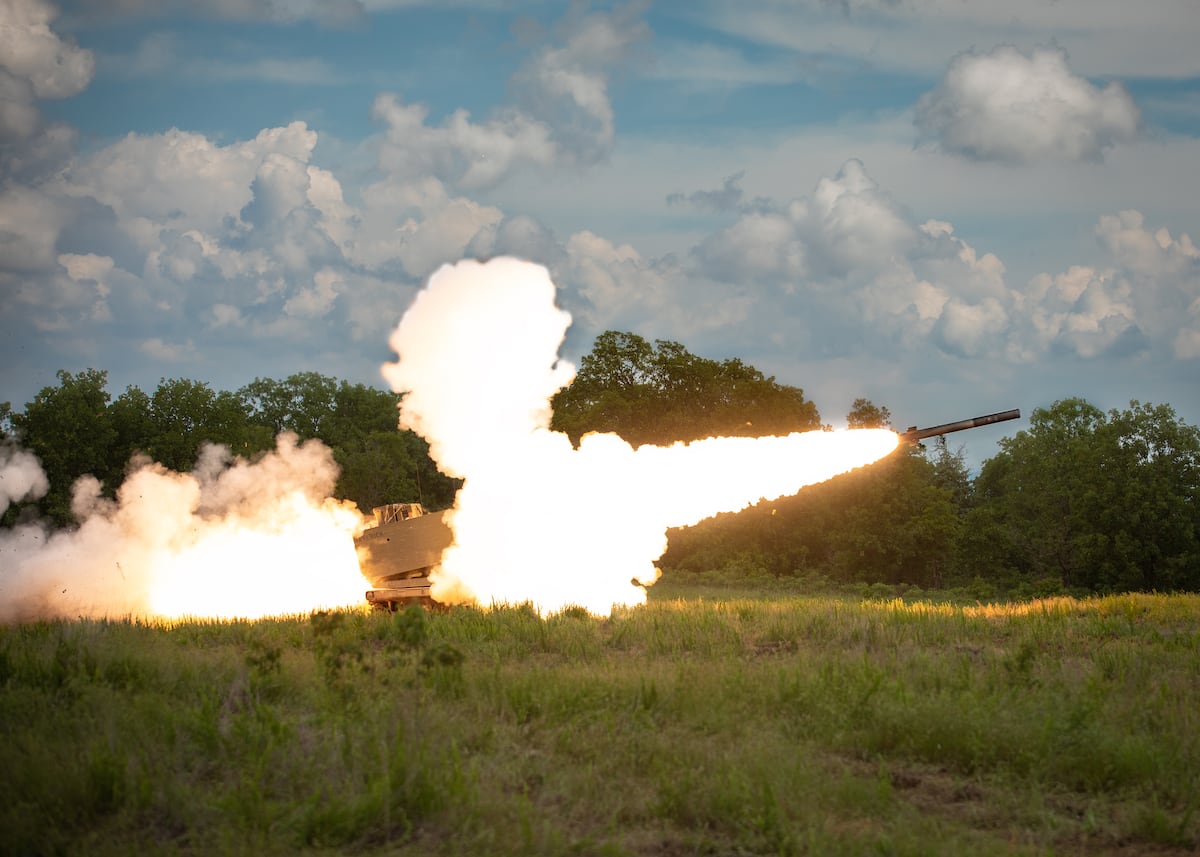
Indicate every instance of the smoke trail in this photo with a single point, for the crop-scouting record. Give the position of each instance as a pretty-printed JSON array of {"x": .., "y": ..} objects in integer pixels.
[
  {"x": 231, "y": 539},
  {"x": 537, "y": 520}
]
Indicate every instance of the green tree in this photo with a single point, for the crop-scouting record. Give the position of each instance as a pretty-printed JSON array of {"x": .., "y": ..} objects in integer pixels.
[
  {"x": 380, "y": 463},
  {"x": 301, "y": 403},
  {"x": 865, "y": 414},
  {"x": 662, "y": 393},
  {"x": 69, "y": 429},
  {"x": 1093, "y": 501},
  {"x": 186, "y": 414}
]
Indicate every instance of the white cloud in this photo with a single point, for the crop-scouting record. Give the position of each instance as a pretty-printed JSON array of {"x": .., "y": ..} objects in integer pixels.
[
  {"x": 615, "y": 287},
  {"x": 567, "y": 85},
  {"x": 35, "y": 64},
  {"x": 417, "y": 225},
  {"x": 179, "y": 178},
  {"x": 19, "y": 117},
  {"x": 1146, "y": 299},
  {"x": 31, "y": 51},
  {"x": 564, "y": 115},
  {"x": 156, "y": 349},
  {"x": 1008, "y": 106},
  {"x": 1085, "y": 312},
  {"x": 30, "y": 223},
  {"x": 318, "y": 299},
  {"x": 86, "y": 266},
  {"x": 458, "y": 151},
  {"x": 1104, "y": 37}
]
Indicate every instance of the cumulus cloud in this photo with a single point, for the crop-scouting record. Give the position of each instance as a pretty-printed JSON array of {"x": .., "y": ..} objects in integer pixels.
[
  {"x": 179, "y": 243},
  {"x": 471, "y": 154},
  {"x": 848, "y": 259},
  {"x": 32, "y": 52},
  {"x": 30, "y": 222},
  {"x": 180, "y": 177},
  {"x": 412, "y": 227},
  {"x": 35, "y": 64},
  {"x": 567, "y": 84},
  {"x": 1013, "y": 107},
  {"x": 218, "y": 246},
  {"x": 1146, "y": 298},
  {"x": 563, "y": 114},
  {"x": 1084, "y": 312}
]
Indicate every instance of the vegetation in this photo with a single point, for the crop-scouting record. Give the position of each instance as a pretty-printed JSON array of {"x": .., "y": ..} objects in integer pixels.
[
  {"x": 662, "y": 393},
  {"x": 76, "y": 428},
  {"x": 741, "y": 724}
]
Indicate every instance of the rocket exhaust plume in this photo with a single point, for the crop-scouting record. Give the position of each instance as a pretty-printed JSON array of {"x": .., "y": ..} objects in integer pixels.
[
  {"x": 537, "y": 520},
  {"x": 230, "y": 539}
]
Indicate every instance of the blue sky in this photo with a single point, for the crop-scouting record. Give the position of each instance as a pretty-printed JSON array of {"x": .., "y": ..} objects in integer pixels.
[{"x": 948, "y": 206}]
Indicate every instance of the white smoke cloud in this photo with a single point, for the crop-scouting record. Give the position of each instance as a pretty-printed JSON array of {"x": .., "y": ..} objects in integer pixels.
[
  {"x": 1005, "y": 105},
  {"x": 21, "y": 476},
  {"x": 537, "y": 520},
  {"x": 232, "y": 538}
]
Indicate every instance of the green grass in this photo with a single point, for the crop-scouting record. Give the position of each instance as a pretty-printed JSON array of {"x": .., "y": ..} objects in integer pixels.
[{"x": 711, "y": 721}]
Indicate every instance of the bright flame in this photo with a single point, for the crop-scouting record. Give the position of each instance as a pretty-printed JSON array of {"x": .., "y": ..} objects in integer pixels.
[
  {"x": 232, "y": 539},
  {"x": 297, "y": 558},
  {"x": 537, "y": 520}
]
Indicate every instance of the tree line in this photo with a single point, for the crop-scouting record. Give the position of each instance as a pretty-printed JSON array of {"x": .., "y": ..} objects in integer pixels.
[
  {"x": 1081, "y": 500},
  {"x": 77, "y": 428}
]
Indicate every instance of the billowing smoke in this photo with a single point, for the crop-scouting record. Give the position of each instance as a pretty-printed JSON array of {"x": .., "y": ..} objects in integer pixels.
[
  {"x": 536, "y": 519},
  {"x": 21, "y": 476},
  {"x": 231, "y": 539}
]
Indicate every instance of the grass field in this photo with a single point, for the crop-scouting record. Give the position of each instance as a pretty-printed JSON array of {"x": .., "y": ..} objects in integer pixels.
[{"x": 708, "y": 722}]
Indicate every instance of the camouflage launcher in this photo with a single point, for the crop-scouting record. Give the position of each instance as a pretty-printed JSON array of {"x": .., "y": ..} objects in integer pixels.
[{"x": 916, "y": 435}]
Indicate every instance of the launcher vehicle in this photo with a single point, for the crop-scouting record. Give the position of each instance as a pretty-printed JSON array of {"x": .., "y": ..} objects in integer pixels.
[{"x": 398, "y": 553}]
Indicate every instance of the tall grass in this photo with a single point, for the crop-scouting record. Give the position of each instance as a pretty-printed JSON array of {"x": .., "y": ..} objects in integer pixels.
[{"x": 777, "y": 725}]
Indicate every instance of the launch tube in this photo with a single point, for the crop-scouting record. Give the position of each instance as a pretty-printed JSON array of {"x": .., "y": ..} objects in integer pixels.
[{"x": 915, "y": 435}]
